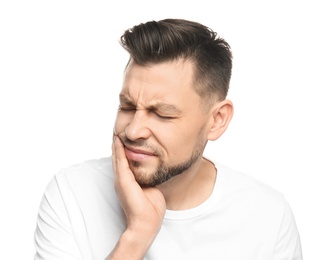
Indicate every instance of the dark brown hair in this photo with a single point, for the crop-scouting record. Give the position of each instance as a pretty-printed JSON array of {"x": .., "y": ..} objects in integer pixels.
[{"x": 171, "y": 39}]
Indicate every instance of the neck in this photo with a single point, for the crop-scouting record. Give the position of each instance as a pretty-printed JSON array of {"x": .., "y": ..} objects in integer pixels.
[{"x": 191, "y": 188}]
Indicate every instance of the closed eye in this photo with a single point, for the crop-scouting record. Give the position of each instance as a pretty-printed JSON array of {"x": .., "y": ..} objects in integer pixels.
[
  {"x": 164, "y": 117},
  {"x": 127, "y": 108}
]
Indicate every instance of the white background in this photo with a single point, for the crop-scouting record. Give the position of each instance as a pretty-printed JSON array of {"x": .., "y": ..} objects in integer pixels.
[{"x": 61, "y": 70}]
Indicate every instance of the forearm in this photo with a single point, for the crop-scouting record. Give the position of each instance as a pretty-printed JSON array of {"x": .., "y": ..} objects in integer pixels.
[{"x": 132, "y": 245}]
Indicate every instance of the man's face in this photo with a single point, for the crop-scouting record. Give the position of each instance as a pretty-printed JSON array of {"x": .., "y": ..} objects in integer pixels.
[{"x": 160, "y": 121}]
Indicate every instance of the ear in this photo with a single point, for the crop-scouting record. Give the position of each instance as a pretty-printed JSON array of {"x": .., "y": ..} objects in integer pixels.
[{"x": 222, "y": 114}]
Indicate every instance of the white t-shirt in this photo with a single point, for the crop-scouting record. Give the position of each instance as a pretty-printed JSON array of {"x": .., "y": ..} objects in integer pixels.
[{"x": 243, "y": 219}]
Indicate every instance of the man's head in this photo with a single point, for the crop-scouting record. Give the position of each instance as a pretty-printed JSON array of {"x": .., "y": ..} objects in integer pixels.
[
  {"x": 173, "y": 39},
  {"x": 173, "y": 97}
]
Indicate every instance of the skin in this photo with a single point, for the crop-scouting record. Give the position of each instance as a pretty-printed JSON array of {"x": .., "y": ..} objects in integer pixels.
[{"x": 161, "y": 121}]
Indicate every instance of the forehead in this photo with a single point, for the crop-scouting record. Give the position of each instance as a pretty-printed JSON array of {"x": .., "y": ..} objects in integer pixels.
[{"x": 170, "y": 81}]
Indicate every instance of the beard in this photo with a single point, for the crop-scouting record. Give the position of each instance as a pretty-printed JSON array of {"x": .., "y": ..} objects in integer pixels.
[{"x": 164, "y": 171}]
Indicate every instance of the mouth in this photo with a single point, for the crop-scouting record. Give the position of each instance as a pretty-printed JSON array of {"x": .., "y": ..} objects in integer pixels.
[{"x": 136, "y": 154}]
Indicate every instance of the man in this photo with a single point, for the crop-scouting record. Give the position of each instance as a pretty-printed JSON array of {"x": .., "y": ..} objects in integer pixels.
[{"x": 157, "y": 197}]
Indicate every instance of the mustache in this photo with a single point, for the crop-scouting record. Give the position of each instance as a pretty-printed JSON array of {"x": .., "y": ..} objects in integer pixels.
[{"x": 139, "y": 143}]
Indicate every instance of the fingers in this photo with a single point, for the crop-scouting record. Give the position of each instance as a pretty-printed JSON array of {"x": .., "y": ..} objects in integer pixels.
[
  {"x": 120, "y": 162},
  {"x": 118, "y": 151}
]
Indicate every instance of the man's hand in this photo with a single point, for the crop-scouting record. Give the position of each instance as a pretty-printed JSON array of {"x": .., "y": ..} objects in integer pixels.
[{"x": 144, "y": 209}]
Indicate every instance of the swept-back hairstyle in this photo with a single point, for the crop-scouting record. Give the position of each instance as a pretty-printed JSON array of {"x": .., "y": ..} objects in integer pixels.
[{"x": 171, "y": 39}]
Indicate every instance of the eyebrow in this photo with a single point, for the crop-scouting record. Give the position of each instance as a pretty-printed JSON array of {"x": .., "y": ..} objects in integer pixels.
[
  {"x": 125, "y": 99},
  {"x": 158, "y": 106}
]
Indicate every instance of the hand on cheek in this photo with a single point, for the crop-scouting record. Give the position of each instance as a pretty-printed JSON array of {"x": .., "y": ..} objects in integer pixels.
[{"x": 144, "y": 207}]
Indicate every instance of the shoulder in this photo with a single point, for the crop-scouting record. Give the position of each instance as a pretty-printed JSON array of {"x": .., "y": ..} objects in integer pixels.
[
  {"x": 101, "y": 166},
  {"x": 90, "y": 170},
  {"x": 254, "y": 201},
  {"x": 256, "y": 211},
  {"x": 75, "y": 204},
  {"x": 249, "y": 194},
  {"x": 83, "y": 179}
]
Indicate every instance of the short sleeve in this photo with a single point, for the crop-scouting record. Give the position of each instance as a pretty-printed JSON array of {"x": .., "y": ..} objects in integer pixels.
[
  {"x": 53, "y": 235},
  {"x": 288, "y": 245}
]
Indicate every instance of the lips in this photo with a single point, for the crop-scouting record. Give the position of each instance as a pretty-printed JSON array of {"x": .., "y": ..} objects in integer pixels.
[{"x": 136, "y": 154}]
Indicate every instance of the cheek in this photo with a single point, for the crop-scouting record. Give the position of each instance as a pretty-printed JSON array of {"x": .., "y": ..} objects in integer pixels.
[{"x": 177, "y": 140}]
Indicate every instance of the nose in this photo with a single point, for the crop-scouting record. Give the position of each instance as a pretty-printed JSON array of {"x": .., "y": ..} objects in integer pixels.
[{"x": 138, "y": 126}]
